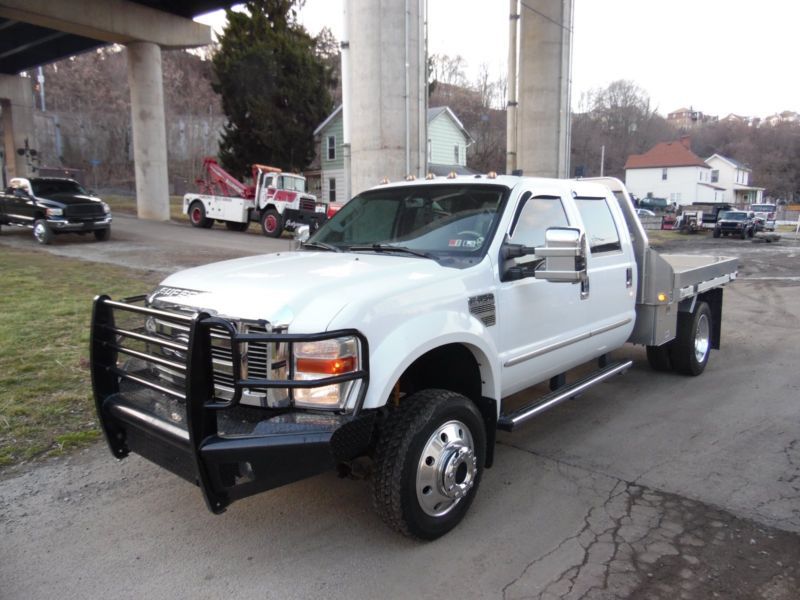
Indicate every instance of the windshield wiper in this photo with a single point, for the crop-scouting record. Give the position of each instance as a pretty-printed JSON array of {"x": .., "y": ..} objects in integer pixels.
[
  {"x": 321, "y": 246},
  {"x": 391, "y": 248}
]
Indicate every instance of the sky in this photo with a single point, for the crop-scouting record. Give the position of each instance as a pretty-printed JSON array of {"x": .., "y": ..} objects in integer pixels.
[{"x": 716, "y": 56}]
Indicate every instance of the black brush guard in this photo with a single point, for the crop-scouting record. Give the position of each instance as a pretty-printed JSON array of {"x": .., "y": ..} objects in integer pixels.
[{"x": 278, "y": 446}]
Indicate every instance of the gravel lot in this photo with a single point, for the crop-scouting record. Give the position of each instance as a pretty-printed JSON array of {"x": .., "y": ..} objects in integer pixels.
[{"x": 648, "y": 486}]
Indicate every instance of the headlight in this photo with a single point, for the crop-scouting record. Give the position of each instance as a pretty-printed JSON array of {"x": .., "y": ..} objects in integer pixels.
[
  {"x": 318, "y": 360},
  {"x": 55, "y": 212},
  {"x": 106, "y": 208}
]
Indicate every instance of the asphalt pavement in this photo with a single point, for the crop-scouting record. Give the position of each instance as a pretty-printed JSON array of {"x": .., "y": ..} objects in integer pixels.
[{"x": 650, "y": 485}]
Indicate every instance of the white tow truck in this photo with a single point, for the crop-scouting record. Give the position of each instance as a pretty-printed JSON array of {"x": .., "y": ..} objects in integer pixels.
[
  {"x": 393, "y": 337},
  {"x": 277, "y": 200}
]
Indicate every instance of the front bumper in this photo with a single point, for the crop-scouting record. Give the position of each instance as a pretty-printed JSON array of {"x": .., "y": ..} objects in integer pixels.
[
  {"x": 62, "y": 224},
  {"x": 295, "y": 218},
  {"x": 230, "y": 450}
]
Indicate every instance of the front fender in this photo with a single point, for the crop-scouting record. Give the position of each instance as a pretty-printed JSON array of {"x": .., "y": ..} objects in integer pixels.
[{"x": 395, "y": 352}]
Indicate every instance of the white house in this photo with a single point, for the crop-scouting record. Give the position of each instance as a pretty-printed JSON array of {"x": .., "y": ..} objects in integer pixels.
[
  {"x": 735, "y": 178},
  {"x": 671, "y": 170},
  {"x": 446, "y": 152}
]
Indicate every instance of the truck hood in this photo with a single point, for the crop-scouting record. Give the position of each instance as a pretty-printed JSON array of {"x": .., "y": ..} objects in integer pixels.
[
  {"x": 68, "y": 199},
  {"x": 302, "y": 289}
]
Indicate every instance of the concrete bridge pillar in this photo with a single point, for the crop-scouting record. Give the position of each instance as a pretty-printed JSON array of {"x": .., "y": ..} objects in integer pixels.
[
  {"x": 544, "y": 89},
  {"x": 387, "y": 90},
  {"x": 16, "y": 101},
  {"x": 149, "y": 130}
]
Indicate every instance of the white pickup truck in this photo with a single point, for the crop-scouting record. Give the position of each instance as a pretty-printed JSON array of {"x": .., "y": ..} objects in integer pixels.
[{"x": 392, "y": 337}]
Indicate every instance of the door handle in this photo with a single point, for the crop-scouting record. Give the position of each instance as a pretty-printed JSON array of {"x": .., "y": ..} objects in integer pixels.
[{"x": 628, "y": 277}]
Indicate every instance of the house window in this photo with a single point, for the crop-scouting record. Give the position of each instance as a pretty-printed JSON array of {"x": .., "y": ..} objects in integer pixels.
[
  {"x": 455, "y": 153},
  {"x": 714, "y": 175},
  {"x": 429, "y": 149},
  {"x": 663, "y": 174},
  {"x": 332, "y": 190},
  {"x": 331, "y": 147}
]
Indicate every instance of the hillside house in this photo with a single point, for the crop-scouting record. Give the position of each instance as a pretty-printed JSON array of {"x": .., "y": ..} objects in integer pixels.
[{"x": 446, "y": 151}]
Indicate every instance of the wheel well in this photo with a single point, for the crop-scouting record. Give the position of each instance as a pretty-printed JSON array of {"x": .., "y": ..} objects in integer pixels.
[{"x": 453, "y": 367}]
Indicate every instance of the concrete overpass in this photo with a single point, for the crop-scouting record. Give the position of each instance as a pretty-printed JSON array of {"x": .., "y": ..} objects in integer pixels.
[
  {"x": 384, "y": 80},
  {"x": 36, "y": 32}
]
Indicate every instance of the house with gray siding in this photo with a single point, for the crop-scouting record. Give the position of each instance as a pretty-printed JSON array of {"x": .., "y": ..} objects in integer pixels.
[{"x": 446, "y": 150}]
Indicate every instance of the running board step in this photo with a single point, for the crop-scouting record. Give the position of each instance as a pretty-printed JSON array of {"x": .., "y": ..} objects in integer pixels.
[{"x": 507, "y": 422}]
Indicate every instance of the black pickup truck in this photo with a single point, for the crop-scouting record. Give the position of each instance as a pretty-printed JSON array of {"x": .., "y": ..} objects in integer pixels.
[
  {"x": 51, "y": 205},
  {"x": 737, "y": 222}
]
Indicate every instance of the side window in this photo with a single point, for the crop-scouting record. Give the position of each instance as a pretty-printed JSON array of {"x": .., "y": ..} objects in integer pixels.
[
  {"x": 601, "y": 231},
  {"x": 538, "y": 213}
]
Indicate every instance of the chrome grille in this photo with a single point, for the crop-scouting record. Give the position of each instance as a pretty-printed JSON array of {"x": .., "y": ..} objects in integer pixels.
[
  {"x": 260, "y": 360},
  {"x": 307, "y": 204}
]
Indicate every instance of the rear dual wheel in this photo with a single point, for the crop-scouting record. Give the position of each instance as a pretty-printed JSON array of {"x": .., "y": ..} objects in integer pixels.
[
  {"x": 429, "y": 461},
  {"x": 688, "y": 353},
  {"x": 197, "y": 215}
]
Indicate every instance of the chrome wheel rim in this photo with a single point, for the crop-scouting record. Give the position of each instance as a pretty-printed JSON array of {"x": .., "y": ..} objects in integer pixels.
[
  {"x": 447, "y": 469},
  {"x": 196, "y": 215},
  {"x": 39, "y": 232},
  {"x": 702, "y": 339}
]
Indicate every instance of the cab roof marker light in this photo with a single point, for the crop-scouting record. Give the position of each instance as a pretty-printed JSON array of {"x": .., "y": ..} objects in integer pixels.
[
  {"x": 384, "y": 181},
  {"x": 410, "y": 177},
  {"x": 451, "y": 175},
  {"x": 492, "y": 175}
]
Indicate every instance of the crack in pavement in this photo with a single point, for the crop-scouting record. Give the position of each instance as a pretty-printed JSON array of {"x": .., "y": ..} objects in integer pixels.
[{"x": 639, "y": 542}]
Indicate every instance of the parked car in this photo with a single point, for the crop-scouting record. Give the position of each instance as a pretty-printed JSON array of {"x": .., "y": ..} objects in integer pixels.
[
  {"x": 654, "y": 204},
  {"x": 52, "y": 205},
  {"x": 736, "y": 222},
  {"x": 766, "y": 214},
  {"x": 643, "y": 212}
]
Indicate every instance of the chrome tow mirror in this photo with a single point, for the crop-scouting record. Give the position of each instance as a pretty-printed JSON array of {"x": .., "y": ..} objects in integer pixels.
[
  {"x": 301, "y": 235},
  {"x": 564, "y": 254}
]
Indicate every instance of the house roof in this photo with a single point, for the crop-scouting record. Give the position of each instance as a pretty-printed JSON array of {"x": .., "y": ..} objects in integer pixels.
[
  {"x": 712, "y": 186},
  {"x": 730, "y": 161},
  {"x": 665, "y": 154},
  {"x": 330, "y": 118}
]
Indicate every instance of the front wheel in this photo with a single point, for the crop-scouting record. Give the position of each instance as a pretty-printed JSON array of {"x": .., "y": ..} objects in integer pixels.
[
  {"x": 429, "y": 460},
  {"x": 272, "y": 223},
  {"x": 691, "y": 348},
  {"x": 42, "y": 232},
  {"x": 716, "y": 233},
  {"x": 102, "y": 235}
]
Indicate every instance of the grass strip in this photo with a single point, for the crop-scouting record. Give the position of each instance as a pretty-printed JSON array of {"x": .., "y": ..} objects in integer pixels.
[{"x": 46, "y": 407}]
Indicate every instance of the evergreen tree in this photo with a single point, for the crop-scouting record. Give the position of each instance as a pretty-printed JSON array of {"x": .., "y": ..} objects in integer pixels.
[{"x": 274, "y": 88}]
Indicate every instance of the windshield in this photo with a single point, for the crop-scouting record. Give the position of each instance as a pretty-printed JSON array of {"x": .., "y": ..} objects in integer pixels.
[
  {"x": 733, "y": 216},
  {"x": 48, "y": 187},
  {"x": 443, "y": 221},
  {"x": 293, "y": 184}
]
